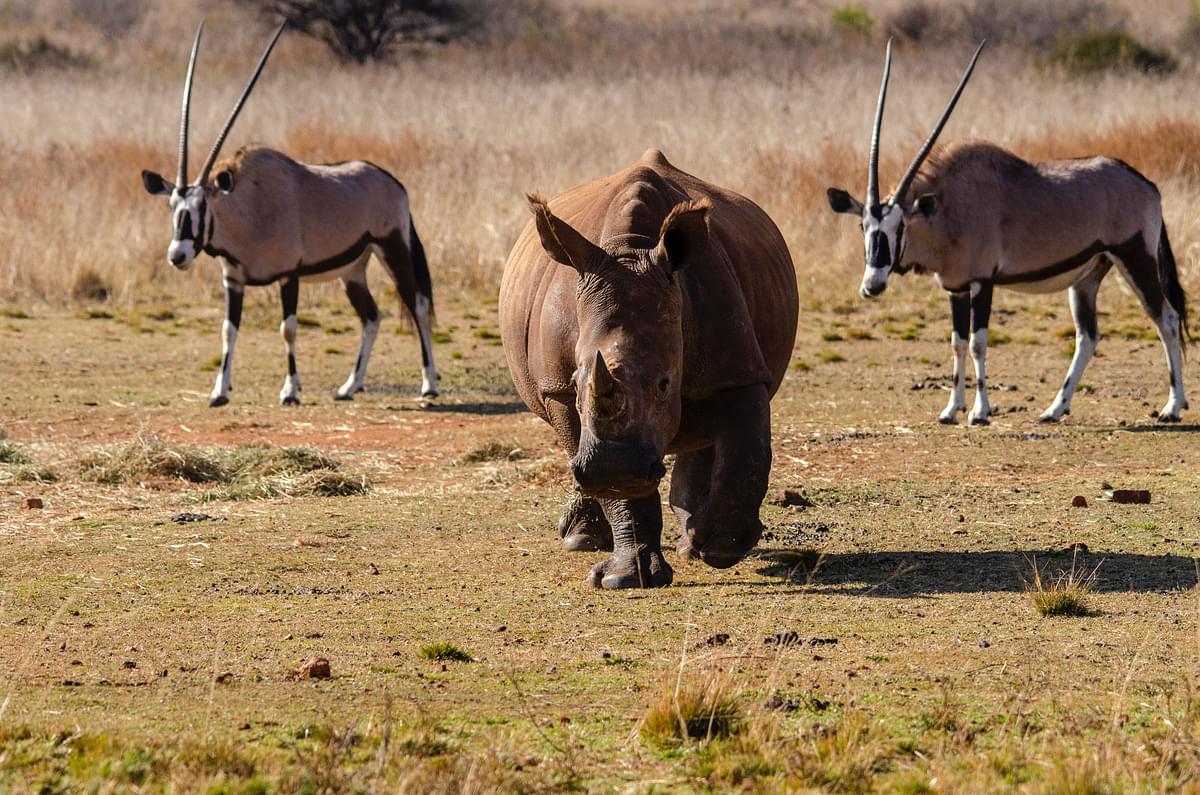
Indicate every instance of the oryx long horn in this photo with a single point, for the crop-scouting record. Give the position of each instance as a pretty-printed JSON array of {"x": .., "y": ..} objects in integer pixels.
[
  {"x": 602, "y": 382},
  {"x": 873, "y": 168},
  {"x": 181, "y": 179},
  {"x": 237, "y": 108},
  {"x": 909, "y": 175}
]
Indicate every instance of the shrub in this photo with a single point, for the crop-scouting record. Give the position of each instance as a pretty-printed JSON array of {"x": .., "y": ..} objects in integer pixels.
[
  {"x": 368, "y": 30},
  {"x": 853, "y": 19},
  {"x": 445, "y": 652},
  {"x": 90, "y": 286},
  {"x": 1111, "y": 50},
  {"x": 34, "y": 55}
]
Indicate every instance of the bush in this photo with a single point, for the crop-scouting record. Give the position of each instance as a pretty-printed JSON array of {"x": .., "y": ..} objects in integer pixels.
[
  {"x": 113, "y": 18},
  {"x": 90, "y": 286},
  {"x": 34, "y": 55},
  {"x": 853, "y": 19},
  {"x": 1034, "y": 23},
  {"x": 369, "y": 30},
  {"x": 1111, "y": 50}
]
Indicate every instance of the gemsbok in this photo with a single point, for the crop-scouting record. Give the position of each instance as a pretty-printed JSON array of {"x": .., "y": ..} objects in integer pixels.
[
  {"x": 270, "y": 219},
  {"x": 977, "y": 216}
]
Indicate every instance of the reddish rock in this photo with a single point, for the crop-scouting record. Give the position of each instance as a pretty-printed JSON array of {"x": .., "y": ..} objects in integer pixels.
[
  {"x": 1131, "y": 496},
  {"x": 33, "y": 503},
  {"x": 790, "y": 499},
  {"x": 1079, "y": 501},
  {"x": 1077, "y": 546},
  {"x": 316, "y": 668}
]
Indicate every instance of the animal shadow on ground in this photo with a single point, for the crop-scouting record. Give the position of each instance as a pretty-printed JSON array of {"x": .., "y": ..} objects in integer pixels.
[
  {"x": 1163, "y": 426},
  {"x": 511, "y": 407},
  {"x": 907, "y": 574}
]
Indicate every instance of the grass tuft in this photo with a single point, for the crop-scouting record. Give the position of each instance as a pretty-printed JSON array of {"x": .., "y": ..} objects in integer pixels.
[
  {"x": 445, "y": 652},
  {"x": 494, "y": 451},
  {"x": 150, "y": 457},
  {"x": 696, "y": 707},
  {"x": 1063, "y": 594},
  {"x": 11, "y": 453}
]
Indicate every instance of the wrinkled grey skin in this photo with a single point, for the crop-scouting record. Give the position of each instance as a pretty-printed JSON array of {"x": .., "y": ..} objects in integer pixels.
[{"x": 643, "y": 314}]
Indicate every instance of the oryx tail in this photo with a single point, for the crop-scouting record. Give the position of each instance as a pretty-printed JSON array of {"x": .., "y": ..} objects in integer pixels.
[{"x": 1168, "y": 274}]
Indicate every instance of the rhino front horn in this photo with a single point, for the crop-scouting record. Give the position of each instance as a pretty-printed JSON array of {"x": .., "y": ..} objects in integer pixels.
[{"x": 602, "y": 384}]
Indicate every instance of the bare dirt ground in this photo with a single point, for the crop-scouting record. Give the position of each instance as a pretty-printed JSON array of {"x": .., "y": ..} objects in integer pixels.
[{"x": 141, "y": 654}]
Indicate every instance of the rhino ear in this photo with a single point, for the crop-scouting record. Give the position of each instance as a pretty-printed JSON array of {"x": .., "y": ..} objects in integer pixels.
[
  {"x": 559, "y": 239},
  {"x": 684, "y": 235}
]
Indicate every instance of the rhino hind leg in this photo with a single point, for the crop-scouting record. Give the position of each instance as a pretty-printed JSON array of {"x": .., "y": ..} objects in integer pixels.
[
  {"x": 583, "y": 527},
  {"x": 637, "y": 560},
  {"x": 717, "y": 492}
]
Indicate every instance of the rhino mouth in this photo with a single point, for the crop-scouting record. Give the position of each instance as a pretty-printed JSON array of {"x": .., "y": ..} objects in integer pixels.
[
  {"x": 617, "y": 471},
  {"x": 620, "y": 491}
]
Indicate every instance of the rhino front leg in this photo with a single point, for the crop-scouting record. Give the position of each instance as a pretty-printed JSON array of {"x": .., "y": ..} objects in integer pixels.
[
  {"x": 583, "y": 527},
  {"x": 716, "y": 492},
  {"x": 637, "y": 560}
]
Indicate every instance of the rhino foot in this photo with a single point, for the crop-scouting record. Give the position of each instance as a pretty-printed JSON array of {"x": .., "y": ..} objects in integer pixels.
[
  {"x": 648, "y": 569},
  {"x": 583, "y": 527}
]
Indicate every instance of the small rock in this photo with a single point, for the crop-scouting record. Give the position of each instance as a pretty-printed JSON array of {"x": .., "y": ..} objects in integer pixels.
[
  {"x": 76, "y": 662},
  {"x": 312, "y": 635},
  {"x": 1131, "y": 496},
  {"x": 783, "y": 639},
  {"x": 716, "y": 639},
  {"x": 316, "y": 668},
  {"x": 962, "y": 518},
  {"x": 224, "y": 678},
  {"x": 983, "y": 644},
  {"x": 822, "y": 641},
  {"x": 499, "y": 628},
  {"x": 1076, "y": 546},
  {"x": 606, "y": 655},
  {"x": 244, "y": 726},
  {"x": 1079, "y": 501},
  {"x": 288, "y": 636},
  {"x": 33, "y": 503},
  {"x": 129, "y": 664},
  {"x": 789, "y": 498},
  {"x": 372, "y": 568},
  {"x": 778, "y": 703},
  {"x": 71, "y": 683}
]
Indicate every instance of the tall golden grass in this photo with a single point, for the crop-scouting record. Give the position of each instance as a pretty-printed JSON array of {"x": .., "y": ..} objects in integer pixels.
[{"x": 775, "y": 107}]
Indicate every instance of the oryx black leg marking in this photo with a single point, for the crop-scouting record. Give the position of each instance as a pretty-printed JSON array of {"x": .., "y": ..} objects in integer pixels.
[
  {"x": 1144, "y": 273},
  {"x": 406, "y": 261},
  {"x": 637, "y": 560},
  {"x": 229, "y": 332},
  {"x": 960, "y": 318},
  {"x": 368, "y": 313},
  {"x": 289, "y": 293},
  {"x": 981, "y": 311},
  {"x": 1087, "y": 334}
]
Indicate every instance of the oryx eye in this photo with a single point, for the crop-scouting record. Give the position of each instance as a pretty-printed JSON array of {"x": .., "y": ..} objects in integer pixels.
[{"x": 663, "y": 384}]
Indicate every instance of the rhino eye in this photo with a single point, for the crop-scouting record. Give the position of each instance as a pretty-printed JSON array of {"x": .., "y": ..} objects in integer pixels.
[{"x": 663, "y": 384}]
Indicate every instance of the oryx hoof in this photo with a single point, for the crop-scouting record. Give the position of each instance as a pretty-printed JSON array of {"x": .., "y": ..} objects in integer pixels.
[
  {"x": 975, "y": 420},
  {"x": 218, "y": 401},
  {"x": 948, "y": 419},
  {"x": 290, "y": 400},
  {"x": 429, "y": 394},
  {"x": 341, "y": 396},
  {"x": 1167, "y": 418}
]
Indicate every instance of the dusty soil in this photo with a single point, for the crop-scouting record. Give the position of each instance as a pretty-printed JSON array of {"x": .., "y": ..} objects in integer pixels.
[{"x": 124, "y": 633}]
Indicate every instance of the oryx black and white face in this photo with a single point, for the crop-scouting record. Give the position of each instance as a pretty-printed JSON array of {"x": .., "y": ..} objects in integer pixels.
[
  {"x": 191, "y": 218},
  {"x": 884, "y": 223},
  {"x": 191, "y": 203},
  {"x": 883, "y": 227}
]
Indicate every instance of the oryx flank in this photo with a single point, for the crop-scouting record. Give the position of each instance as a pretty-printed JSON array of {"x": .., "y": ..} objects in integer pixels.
[
  {"x": 270, "y": 219},
  {"x": 977, "y": 216}
]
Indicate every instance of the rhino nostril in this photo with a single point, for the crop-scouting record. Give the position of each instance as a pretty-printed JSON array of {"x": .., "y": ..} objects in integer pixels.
[
  {"x": 577, "y": 472},
  {"x": 657, "y": 471}
]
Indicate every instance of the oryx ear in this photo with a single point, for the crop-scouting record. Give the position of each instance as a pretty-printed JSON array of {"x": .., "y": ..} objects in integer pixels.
[
  {"x": 925, "y": 206},
  {"x": 559, "y": 239},
  {"x": 224, "y": 181},
  {"x": 842, "y": 202},
  {"x": 156, "y": 185},
  {"x": 683, "y": 236}
]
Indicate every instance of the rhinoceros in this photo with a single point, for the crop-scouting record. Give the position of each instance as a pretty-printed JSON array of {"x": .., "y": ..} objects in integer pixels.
[{"x": 645, "y": 313}]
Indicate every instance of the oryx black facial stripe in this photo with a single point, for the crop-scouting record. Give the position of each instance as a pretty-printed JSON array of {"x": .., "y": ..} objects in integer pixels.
[{"x": 881, "y": 251}]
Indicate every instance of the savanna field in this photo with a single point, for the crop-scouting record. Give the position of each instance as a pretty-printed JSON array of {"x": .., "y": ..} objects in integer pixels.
[{"x": 930, "y": 609}]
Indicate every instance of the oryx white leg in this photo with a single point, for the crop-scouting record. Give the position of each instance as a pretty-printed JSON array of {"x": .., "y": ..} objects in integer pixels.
[
  {"x": 982, "y": 411},
  {"x": 289, "y": 395},
  {"x": 429, "y": 373},
  {"x": 1083, "y": 311},
  {"x": 960, "y": 315},
  {"x": 368, "y": 314},
  {"x": 1170, "y": 333},
  {"x": 229, "y": 332},
  {"x": 981, "y": 310}
]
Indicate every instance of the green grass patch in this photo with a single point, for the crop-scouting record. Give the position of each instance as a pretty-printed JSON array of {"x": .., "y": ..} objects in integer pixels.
[
  {"x": 852, "y": 19},
  {"x": 1110, "y": 51},
  {"x": 831, "y": 336},
  {"x": 830, "y": 357},
  {"x": 445, "y": 652}
]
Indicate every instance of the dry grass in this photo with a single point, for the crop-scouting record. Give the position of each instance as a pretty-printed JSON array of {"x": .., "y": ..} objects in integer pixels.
[
  {"x": 1064, "y": 593},
  {"x": 244, "y": 473},
  {"x": 768, "y": 103},
  {"x": 693, "y": 706}
]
